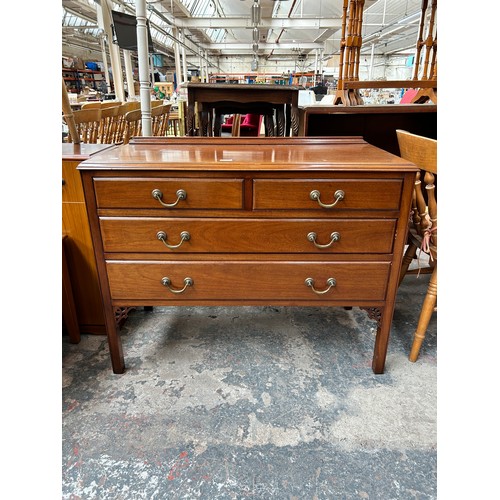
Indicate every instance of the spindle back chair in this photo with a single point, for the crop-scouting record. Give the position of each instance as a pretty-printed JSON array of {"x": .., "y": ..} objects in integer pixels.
[{"x": 422, "y": 230}]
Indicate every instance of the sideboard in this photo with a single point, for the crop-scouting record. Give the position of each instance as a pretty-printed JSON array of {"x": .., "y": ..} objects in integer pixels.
[{"x": 248, "y": 221}]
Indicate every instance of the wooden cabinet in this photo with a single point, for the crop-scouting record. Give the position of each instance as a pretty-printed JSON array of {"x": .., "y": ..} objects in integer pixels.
[
  {"x": 254, "y": 221},
  {"x": 79, "y": 248},
  {"x": 377, "y": 124}
]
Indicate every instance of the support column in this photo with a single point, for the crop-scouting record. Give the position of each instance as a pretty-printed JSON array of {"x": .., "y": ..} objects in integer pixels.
[
  {"x": 178, "y": 73},
  {"x": 184, "y": 62},
  {"x": 142, "y": 52},
  {"x": 129, "y": 73},
  {"x": 114, "y": 50}
]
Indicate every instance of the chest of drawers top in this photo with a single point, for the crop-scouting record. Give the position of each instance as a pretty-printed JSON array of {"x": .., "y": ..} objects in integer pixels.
[{"x": 191, "y": 154}]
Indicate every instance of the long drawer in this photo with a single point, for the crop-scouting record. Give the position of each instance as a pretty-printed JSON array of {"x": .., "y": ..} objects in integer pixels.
[
  {"x": 181, "y": 193},
  {"x": 246, "y": 280},
  {"x": 230, "y": 235},
  {"x": 376, "y": 194}
]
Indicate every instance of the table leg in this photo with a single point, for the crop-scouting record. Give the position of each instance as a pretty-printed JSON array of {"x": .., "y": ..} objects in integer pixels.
[
  {"x": 269, "y": 125},
  {"x": 280, "y": 122},
  {"x": 190, "y": 119},
  {"x": 295, "y": 121},
  {"x": 217, "y": 124}
]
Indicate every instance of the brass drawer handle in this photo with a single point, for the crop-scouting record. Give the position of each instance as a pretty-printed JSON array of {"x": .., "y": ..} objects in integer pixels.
[
  {"x": 187, "y": 282},
  {"x": 335, "y": 236},
  {"x": 162, "y": 236},
  {"x": 158, "y": 195},
  {"x": 330, "y": 282},
  {"x": 338, "y": 195}
]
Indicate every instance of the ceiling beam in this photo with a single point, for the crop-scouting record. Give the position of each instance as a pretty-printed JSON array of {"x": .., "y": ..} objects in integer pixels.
[
  {"x": 263, "y": 46},
  {"x": 244, "y": 22}
]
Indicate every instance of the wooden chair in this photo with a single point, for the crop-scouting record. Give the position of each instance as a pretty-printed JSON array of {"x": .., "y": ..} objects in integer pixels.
[
  {"x": 107, "y": 125},
  {"x": 159, "y": 119},
  {"x": 133, "y": 125},
  {"x": 173, "y": 128},
  {"x": 87, "y": 123},
  {"x": 422, "y": 230}
]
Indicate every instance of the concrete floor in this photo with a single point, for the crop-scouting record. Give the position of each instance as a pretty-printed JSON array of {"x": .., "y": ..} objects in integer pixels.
[{"x": 264, "y": 403}]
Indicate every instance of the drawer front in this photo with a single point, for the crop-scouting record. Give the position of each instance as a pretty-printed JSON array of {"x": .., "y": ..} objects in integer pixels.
[
  {"x": 232, "y": 235},
  {"x": 199, "y": 193},
  {"x": 376, "y": 194},
  {"x": 241, "y": 280}
]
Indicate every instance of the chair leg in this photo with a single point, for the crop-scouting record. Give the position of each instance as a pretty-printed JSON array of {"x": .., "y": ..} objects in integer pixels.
[
  {"x": 425, "y": 316},
  {"x": 409, "y": 255}
]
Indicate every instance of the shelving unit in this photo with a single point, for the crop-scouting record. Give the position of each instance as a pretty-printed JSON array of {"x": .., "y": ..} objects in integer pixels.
[
  {"x": 249, "y": 77},
  {"x": 76, "y": 79}
]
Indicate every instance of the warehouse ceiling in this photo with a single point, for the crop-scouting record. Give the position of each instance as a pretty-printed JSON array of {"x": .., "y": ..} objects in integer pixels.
[{"x": 215, "y": 28}]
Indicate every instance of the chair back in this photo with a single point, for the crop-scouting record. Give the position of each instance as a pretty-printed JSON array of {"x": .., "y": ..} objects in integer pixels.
[
  {"x": 133, "y": 125},
  {"x": 87, "y": 123},
  {"x": 91, "y": 104},
  {"x": 422, "y": 151},
  {"x": 132, "y": 105},
  {"x": 100, "y": 104},
  {"x": 159, "y": 120},
  {"x": 107, "y": 126},
  {"x": 119, "y": 125}
]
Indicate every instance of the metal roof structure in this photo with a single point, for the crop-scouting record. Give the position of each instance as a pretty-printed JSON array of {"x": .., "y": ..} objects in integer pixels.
[{"x": 225, "y": 28}]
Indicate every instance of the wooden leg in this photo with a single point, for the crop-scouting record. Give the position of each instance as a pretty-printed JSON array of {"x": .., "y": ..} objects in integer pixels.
[
  {"x": 383, "y": 316},
  {"x": 382, "y": 341},
  {"x": 280, "y": 122},
  {"x": 68, "y": 303},
  {"x": 425, "y": 316},
  {"x": 341, "y": 98},
  {"x": 295, "y": 121},
  {"x": 409, "y": 255},
  {"x": 190, "y": 120},
  {"x": 115, "y": 344},
  {"x": 269, "y": 125}
]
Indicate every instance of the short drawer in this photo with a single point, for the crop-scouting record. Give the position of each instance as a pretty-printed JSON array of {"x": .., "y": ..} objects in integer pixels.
[
  {"x": 231, "y": 235},
  {"x": 177, "y": 193},
  {"x": 376, "y": 194},
  {"x": 245, "y": 280}
]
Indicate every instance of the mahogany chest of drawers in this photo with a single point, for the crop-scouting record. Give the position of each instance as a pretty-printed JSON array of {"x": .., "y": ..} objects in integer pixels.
[{"x": 253, "y": 221}]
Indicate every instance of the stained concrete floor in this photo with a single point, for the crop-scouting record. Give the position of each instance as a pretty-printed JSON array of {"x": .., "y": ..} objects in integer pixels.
[{"x": 242, "y": 402}]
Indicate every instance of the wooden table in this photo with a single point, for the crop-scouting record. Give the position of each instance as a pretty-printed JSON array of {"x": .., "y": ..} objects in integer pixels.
[
  {"x": 377, "y": 124},
  {"x": 221, "y": 98},
  {"x": 204, "y": 221}
]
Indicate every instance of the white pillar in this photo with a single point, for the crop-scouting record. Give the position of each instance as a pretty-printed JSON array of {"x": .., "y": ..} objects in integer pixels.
[
  {"x": 105, "y": 22},
  {"x": 142, "y": 52},
  {"x": 184, "y": 62},
  {"x": 129, "y": 73},
  {"x": 178, "y": 73},
  {"x": 105, "y": 63}
]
